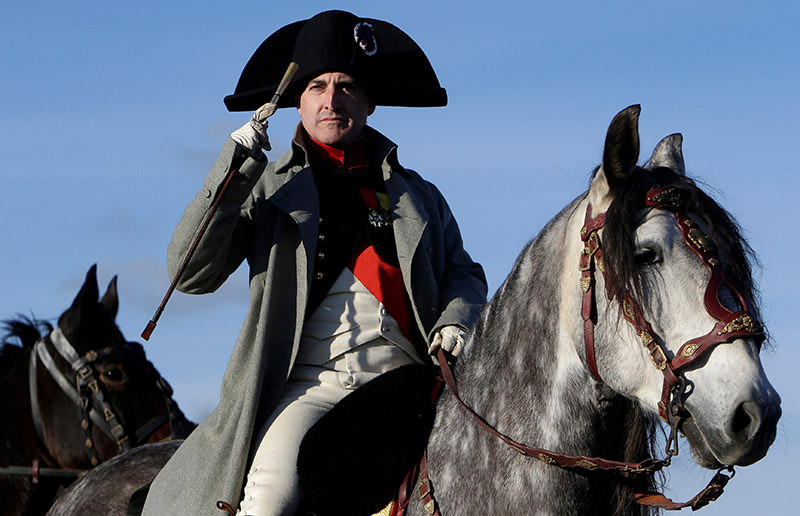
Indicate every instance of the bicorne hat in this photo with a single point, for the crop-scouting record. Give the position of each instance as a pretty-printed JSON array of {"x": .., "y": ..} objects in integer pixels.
[{"x": 384, "y": 59}]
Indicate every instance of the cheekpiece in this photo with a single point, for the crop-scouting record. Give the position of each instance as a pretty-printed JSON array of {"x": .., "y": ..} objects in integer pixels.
[{"x": 384, "y": 59}]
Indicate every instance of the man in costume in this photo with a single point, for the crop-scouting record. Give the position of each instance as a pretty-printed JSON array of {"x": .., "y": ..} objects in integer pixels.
[{"x": 356, "y": 263}]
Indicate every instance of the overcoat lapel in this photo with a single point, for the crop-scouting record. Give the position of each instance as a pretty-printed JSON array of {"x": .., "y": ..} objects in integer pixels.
[
  {"x": 408, "y": 222},
  {"x": 297, "y": 197}
]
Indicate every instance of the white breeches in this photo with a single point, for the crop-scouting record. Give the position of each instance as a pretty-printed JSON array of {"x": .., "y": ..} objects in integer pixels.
[
  {"x": 349, "y": 340},
  {"x": 271, "y": 485}
]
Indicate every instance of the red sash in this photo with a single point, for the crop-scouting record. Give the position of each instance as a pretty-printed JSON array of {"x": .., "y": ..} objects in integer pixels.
[{"x": 385, "y": 282}]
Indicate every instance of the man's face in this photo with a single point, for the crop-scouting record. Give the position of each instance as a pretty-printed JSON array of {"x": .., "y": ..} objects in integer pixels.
[{"x": 334, "y": 109}]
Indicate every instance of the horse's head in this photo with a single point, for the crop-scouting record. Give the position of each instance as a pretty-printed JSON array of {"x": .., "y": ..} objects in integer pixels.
[
  {"x": 673, "y": 314},
  {"x": 120, "y": 399}
]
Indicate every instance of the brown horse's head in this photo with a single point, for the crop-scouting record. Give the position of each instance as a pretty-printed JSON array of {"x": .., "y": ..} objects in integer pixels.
[{"x": 99, "y": 395}]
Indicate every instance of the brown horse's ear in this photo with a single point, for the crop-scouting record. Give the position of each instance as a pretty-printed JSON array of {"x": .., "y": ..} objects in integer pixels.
[
  {"x": 83, "y": 304},
  {"x": 110, "y": 300},
  {"x": 621, "y": 151}
]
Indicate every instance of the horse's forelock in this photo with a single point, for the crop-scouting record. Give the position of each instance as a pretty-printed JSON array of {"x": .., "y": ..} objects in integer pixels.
[{"x": 622, "y": 220}]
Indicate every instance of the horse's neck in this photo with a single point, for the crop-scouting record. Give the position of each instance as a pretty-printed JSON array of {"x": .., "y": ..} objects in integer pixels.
[
  {"x": 24, "y": 445},
  {"x": 522, "y": 373},
  {"x": 523, "y": 348},
  {"x": 19, "y": 447},
  {"x": 15, "y": 408}
]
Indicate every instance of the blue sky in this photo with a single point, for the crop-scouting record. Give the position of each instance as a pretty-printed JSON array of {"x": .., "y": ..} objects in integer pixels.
[{"x": 111, "y": 113}]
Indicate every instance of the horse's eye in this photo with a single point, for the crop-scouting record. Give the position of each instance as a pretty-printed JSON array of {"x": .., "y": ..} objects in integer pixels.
[
  {"x": 114, "y": 374},
  {"x": 646, "y": 256}
]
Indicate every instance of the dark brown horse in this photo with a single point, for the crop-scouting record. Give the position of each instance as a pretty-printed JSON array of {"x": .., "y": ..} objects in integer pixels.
[{"x": 74, "y": 396}]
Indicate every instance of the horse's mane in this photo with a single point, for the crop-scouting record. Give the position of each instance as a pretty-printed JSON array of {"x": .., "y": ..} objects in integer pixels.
[
  {"x": 20, "y": 334},
  {"x": 621, "y": 222},
  {"x": 639, "y": 431},
  {"x": 533, "y": 271}
]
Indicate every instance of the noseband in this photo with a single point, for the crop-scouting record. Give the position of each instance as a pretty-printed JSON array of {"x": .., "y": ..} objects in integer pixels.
[
  {"x": 87, "y": 393},
  {"x": 729, "y": 326}
]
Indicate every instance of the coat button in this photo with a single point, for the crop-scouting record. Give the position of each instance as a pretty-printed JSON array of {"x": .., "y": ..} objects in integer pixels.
[
  {"x": 321, "y": 237},
  {"x": 321, "y": 256},
  {"x": 320, "y": 275}
]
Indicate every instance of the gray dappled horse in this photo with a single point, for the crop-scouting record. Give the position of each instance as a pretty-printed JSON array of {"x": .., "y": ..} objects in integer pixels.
[
  {"x": 526, "y": 367},
  {"x": 635, "y": 301}
]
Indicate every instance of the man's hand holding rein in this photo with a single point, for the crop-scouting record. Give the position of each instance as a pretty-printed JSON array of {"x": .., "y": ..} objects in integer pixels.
[{"x": 450, "y": 339}]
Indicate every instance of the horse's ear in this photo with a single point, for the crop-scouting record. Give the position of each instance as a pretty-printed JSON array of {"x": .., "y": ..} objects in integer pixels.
[
  {"x": 110, "y": 300},
  {"x": 621, "y": 151},
  {"x": 620, "y": 154},
  {"x": 669, "y": 153},
  {"x": 83, "y": 304}
]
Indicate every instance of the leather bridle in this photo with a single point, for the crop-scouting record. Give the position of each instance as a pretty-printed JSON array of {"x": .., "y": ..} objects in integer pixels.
[
  {"x": 729, "y": 326},
  {"x": 86, "y": 391}
]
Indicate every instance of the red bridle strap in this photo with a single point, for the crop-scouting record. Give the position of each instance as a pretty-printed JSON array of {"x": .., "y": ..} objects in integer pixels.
[
  {"x": 591, "y": 257},
  {"x": 730, "y": 325}
]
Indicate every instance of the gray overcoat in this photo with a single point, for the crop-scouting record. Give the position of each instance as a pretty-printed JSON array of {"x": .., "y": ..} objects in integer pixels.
[{"x": 269, "y": 215}]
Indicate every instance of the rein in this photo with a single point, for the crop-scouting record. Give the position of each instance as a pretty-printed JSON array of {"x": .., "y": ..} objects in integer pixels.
[
  {"x": 711, "y": 492},
  {"x": 730, "y": 325},
  {"x": 86, "y": 392}
]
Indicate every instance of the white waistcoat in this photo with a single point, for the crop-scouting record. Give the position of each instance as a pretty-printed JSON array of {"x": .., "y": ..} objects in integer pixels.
[{"x": 350, "y": 319}]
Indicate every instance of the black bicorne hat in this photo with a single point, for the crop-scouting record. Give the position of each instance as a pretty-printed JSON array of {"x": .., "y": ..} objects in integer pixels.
[{"x": 384, "y": 59}]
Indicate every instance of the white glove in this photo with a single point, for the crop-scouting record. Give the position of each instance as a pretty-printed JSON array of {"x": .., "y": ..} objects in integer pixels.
[
  {"x": 253, "y": 134},
  {"x": 449, "y": 338}
]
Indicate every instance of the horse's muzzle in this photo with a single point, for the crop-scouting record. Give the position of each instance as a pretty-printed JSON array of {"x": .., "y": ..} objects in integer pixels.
[{"x": 745, "y": 439}]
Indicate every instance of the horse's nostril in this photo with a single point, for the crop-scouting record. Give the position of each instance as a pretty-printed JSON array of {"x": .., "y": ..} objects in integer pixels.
[
  {"x": 746, "y": 420},
  {"x": 752, "y": 429}
]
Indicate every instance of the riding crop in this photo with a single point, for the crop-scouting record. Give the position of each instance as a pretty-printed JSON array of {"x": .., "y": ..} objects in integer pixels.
[{"x": 287, "y": 77}]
